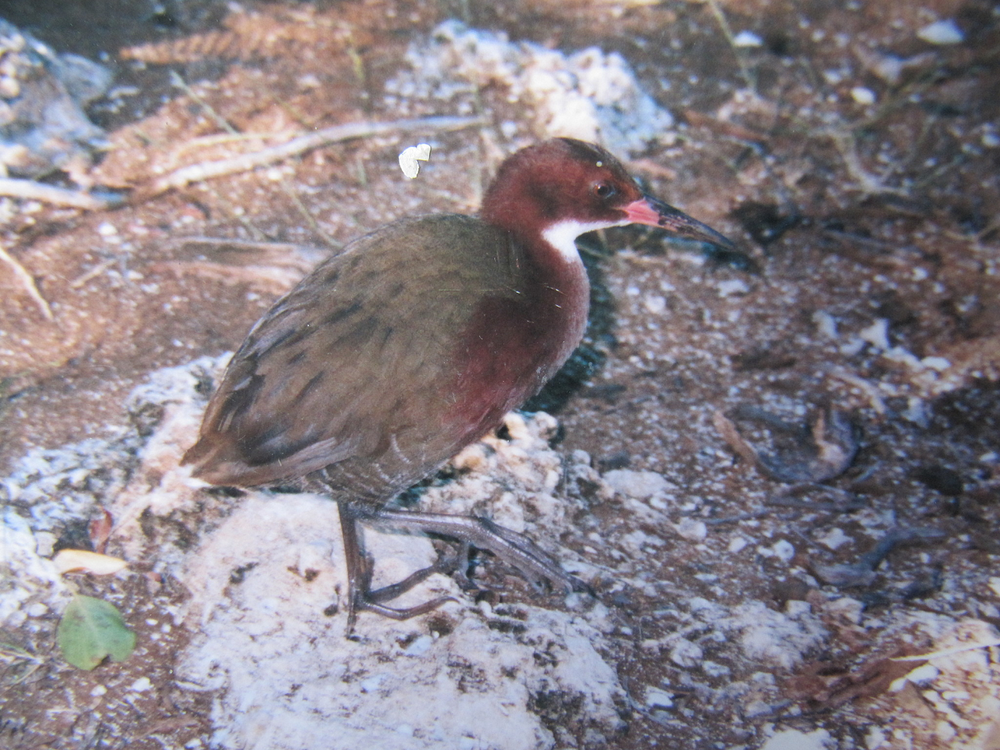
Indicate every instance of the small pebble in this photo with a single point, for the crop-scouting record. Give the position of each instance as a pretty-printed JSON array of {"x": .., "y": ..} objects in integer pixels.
[
  {"x": 747, "y": 39},
  {"x": 862, "y": 95},
  {"x": 942, "y": 32},
  {"x": 877, "y": 334},
  {"x": 659, "y": 698}
]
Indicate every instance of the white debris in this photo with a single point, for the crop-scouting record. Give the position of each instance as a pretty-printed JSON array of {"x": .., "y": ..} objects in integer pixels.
[
  {"x": 942, "y": 32},
  {"x": 922, "y": 675},
  {"x": 692, "y": 529},
  {"x": 782, "y": 549},
  {"x": 737, "y": 543},
  {"x": 730, "y": 287},
  {"x": 27, "y": 578},
  {"x": 747, "y": 39},
  {"x": 936, "y": 363},
  {"x": 826, "y": 324},
  {"x": 656, "y": 698},
  {"x": 640, "y": 485},
  {"x": 774, "y": 637},
  {"x": 875, "y": 738},
  {"x": 916, "y": 412},
  {"x": 793, "y": 739},
  {"x": 655, "y": 304},
  {"x": 410, "y": 158},
  {"x": 141, "y": 685},
  {"x": 687, "y": 654},
  {"x": 877, "y": 334},
  {"x": 259, "y": 639},
  {"x": 833, "y": 538},
  {"x": 863, "y": 95},
  {"x": 590, "y": 94},
  {"x": 43, "y": 125}
]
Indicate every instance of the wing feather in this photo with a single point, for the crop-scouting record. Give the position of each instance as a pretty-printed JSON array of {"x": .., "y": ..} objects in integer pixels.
[{"x": 360, "y": 354}]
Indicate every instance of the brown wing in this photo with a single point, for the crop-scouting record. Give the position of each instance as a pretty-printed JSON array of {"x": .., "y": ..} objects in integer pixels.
[{"x": 356, "y": 362}]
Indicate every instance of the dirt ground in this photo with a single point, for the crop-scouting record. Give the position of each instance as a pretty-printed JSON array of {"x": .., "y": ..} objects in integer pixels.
[{"x": 853, "y": 157}]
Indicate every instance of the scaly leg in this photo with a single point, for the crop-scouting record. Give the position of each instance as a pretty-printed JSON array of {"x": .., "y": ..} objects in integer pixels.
[{"x": 359, "y": 574}]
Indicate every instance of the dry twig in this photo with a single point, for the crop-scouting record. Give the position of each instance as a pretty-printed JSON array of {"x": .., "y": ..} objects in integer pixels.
[
  {"x": 336, "y": 134},
  {"x": 834, "y": 446},
  {"x": 36, "y": 191},
  {"x": 27, "y": 282}
]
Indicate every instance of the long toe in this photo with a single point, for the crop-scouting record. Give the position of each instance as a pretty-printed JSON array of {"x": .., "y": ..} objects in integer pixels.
[{"x": 513, "y": 548}]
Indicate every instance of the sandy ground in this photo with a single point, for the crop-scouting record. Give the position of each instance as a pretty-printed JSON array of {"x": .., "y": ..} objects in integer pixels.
[{"x": 851, "y": 151}]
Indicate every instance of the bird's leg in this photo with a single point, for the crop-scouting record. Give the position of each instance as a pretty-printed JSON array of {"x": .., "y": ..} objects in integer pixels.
[
  {"x": 359, "y": 575},
  {"x": 515, "y": 549}
]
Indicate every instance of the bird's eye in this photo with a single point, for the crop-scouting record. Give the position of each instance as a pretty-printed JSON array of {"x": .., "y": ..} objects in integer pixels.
[{"x": 604, "y": 191}]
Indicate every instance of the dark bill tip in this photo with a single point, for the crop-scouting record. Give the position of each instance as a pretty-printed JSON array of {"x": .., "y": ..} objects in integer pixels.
[{"x": 656, "y": 213}]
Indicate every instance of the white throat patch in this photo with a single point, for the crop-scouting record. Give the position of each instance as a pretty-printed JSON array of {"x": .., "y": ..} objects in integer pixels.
[{"x": 562, "y": 235}]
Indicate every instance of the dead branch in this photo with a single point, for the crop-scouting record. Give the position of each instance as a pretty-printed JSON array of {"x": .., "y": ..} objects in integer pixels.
[
  {"x": 27, "y": 283},
  {"x": 337, "y": 134},
  {"x": 36, "y": 191}
]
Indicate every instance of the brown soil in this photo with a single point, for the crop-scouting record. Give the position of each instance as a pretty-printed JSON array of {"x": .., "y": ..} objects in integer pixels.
[{"x": 851, "y": 213}]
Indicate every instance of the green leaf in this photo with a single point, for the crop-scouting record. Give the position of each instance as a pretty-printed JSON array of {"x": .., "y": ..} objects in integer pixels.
[{"x": 92, "y": 629}]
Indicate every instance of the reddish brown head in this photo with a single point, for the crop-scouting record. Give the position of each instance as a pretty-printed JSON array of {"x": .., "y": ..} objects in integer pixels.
[{"x": 561, "y": 188}]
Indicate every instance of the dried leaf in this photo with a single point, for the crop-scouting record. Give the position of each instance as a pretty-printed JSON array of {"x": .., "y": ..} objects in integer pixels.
[
  {"x": 100, "y": 530},
  {"x": 67, "y": 560}
]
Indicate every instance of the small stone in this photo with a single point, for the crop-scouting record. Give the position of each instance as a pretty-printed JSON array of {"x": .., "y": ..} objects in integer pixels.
[
  {"x": 655, "y": 304},
  {"x": 641, "y": 485},
  {"x": 9, "y": 88},
  {"x": 942, "y": 32},
  {"x": 826, "y": 324},
  {"x": 863, "y": 95},
  {"x": 936, "y": 363},
  {"x": 783, "y": 550},
  {"x": 875, "y": 738},
  {"x": 656, "y": 698},
  {"x": 731, "y": 287},
  {"x": 692, "y": 529},
  {"x": 833, "y": 538},
  {"x": 747, "y": 39},
  {"x": 793, "y": 739},
  {"x": 686, "y": 654},
  {"x": 877, "y": 334}
]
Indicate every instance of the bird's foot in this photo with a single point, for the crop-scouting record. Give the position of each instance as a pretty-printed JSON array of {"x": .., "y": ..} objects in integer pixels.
[
  {"x": 515, "y": 549},
  {"x": 360, "y": 595}
]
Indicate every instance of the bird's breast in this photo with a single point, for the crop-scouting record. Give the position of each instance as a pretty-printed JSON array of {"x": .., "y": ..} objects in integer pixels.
[{"x": 516, "y": 342}]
